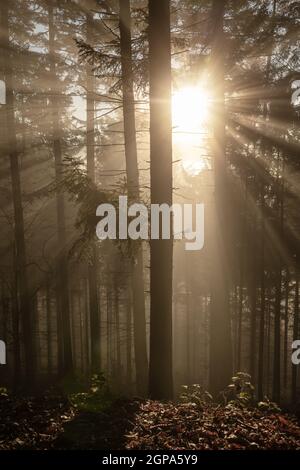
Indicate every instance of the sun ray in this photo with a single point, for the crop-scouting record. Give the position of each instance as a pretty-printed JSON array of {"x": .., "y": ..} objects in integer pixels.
[{"x": 190, "y": 115}]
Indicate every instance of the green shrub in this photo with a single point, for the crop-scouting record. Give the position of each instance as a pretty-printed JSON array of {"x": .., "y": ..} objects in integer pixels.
[
  {"x": 96, "y": 399},
  {"x": 195, "y": 394}
]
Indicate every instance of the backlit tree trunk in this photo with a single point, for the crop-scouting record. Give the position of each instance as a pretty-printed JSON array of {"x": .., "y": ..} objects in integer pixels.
[
  {"x": 137, "y": 269},
  {"x": 160, "y": 373}
]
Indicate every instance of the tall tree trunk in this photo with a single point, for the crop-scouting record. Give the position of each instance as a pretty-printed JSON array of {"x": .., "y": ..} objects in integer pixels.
[
  {"x": 108, "y": 329},
  {"x": 138, "y": 296},
  {"x": 15, "y": 317},
  {"x": 24, "y": 306},
  {"x": 286, "y": 328},
  {"x": 262, "y": 303},
  {"x": 277, "y": 320},
  {"x": 87, "y": 328},
  {"x": 253, "y": 307},
  {"x": 118, "y": 365},
  {"x": 94, "y": 306},
  {"x": 81, "y": 323},
  {"x": 62, "y": 263},
  {"x": 268, "y": 347},
  {"x": 295, "y": 337},
  {"x": 220, "y": 335},
  {"x": 277, "y": 355},
  {"x": 161, "y": 251},
  {"x": 240, "y": 321},
  {"x": 128, "y": 344},
  {"x": 49, "y": 326}
]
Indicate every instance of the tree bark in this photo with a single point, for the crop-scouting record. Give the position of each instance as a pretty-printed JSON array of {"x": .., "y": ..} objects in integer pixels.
[
  {"x": 161, "y": 251},
  {"x": 129, "y": 343},
  {"x": 62, "y": 263},
  {"x": 137, "y": 269},
  {"x": 262, "y": 303},
  {"x": 295, "y": 337},
  {"x": 220, "y": 369},
  {"x": 23, "y": 307},
  {"x": 94, "y": 305},
  {"x": 286, "y": 328}
]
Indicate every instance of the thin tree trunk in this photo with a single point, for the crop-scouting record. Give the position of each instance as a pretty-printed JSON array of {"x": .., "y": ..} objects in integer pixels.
[
  {"x": 81, "y": 323},
  {"x": 262, "y": 304},
  {"x": 62, "y": 264},
  {"x": 286, "y": 328},
  {"x": 5, "y": 313},
  {"x": 268, "y": 348},
  {"x": 188, "y": 335},
  {"x": 49, "y": 328},
  {"x": 138, "y": 296},
  {"x": 118, "y": 369},
  {"x": 16, "y": 330},
  {"x": 240, "y": 321},
  {"x": 94, "y": 305},
  {"x": 242, "y": 270},
  {"x": 87, "y": 326},
  {"x": 295, "y": 337},
  {"x": 128, "y": 344},
  {"x": 253, "y": 307},
  {"x": 236, "y": 327},
  {"x": 108, "y": 335},
  {"x": 277, "y": 355},
  {"x": 277, "y": 320}
]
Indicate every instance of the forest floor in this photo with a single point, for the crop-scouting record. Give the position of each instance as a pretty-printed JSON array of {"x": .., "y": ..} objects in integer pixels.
[{"x": 53, "y": 422}]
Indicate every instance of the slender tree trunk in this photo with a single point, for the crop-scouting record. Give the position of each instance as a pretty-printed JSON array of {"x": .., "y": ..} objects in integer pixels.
[
  {"x": 278, "y": 295},
  {"x": 24, "y": 308},
  {"x": 94, "y": 305},
  {"x": 5, "y": 313},
  {"x": 253, "y": 307},
  {"x": 242, "y": 273},
  {"x": 277, "y": 355},
  {"x": 240, "y": 322},
  {"x": 220, "y": 331},
  {"x": 73, "y": 318},
  {"x": 295, "y": 337},
  {"x": 128, "y": 344},
  {"x": 262, "y": 267},
  {"x": 49, "y": 328},
  {"x": 236, "y": 327},
  {"x": 62, "y": 263},
  {"x": 188, "y": 334},
  {"x": 189, "y": 313},
  {"x": 87, "y": 327},
  {"x": 108, "y": 335},
  {"x": 161, "y": 251},
  {"x": 118, "y": 368},
  {"x": 286, "y": 328},
  {"x": 16, "y": 330},
  {"x": 138, "y": 296},
  {"x": 268, "y": 347},
  {"x": 262, "y": 304},
  {"x": 81, "y": 323}
]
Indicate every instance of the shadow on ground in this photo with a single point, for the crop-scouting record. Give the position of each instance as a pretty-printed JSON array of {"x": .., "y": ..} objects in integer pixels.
[{"x": 99, "y": 430}]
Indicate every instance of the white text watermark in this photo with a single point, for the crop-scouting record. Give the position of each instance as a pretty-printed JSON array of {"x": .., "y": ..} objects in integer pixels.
[{"x": 179, "y": 221}]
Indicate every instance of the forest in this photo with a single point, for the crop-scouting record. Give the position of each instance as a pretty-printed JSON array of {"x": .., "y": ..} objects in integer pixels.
[{"x": 150, "y": 233}]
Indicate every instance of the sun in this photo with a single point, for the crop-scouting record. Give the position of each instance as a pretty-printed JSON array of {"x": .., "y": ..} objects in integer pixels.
[
  {"x": 190, "y": 108},
  {"x": 190, "y": 117}
]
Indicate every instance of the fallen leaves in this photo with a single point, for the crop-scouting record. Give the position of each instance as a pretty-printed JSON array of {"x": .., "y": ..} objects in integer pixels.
[
  {"x": 50, "y": 421},
  {"x": 183, "y": 426},
  {"x": 32, "y": 423}
]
